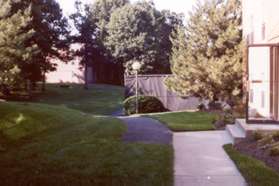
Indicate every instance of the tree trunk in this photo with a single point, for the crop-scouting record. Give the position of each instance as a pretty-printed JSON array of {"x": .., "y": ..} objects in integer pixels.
[
  {"x": 85, "y": 77},
  {"x": 44, "y": 82}
]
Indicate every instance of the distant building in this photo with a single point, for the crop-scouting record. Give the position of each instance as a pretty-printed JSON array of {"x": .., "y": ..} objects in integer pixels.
[
  {"x": 261, "y": 33},
  {"x": 71, "y": 72},
  {"x": 74, "y": 72}
]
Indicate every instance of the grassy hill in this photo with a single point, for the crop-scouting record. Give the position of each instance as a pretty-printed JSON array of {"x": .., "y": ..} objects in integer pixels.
[
  {"x": 98, "y": 99},
  {"x": 44, "y": 144}
]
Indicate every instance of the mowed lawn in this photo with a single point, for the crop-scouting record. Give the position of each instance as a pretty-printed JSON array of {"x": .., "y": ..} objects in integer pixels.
[
  {"x": 187, "y": 121},
  {"x": 98, "y": 99},
  {"x": 44, "y": 144}
]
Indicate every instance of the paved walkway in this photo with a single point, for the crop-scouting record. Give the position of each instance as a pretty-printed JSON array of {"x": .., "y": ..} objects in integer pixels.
[
  {"x": 146, "y": 130},
  {"x": 201, "y": 161},
  {"x": 118, "y": 112}
]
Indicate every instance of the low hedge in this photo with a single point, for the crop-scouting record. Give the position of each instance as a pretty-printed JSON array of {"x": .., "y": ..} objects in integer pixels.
[{"x": 146, "y": 104}]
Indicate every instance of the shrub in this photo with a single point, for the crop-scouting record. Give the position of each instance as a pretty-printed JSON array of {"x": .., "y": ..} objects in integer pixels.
[
  {"x": 266, "y": 141},
  {"x": 258, "y": 135},
  {"x": 215, "y": 105},
  {"x": 276, "y": 136},
  {"x": 201, "y": 107},
  {"x": 146, "y": 104},
  {"x": 224, "y": 118},
  {"x": 274, "y": 151}
]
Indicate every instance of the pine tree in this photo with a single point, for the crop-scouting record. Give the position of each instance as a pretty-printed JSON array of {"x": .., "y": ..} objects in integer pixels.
[
  {"x": 14, "y": 48},
  {"x": 207, "y": 56}
]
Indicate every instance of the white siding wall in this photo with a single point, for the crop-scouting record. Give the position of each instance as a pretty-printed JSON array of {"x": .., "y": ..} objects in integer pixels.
[
  {"x": 259, "y": 80},
  {"x": 256, "y": 15}
]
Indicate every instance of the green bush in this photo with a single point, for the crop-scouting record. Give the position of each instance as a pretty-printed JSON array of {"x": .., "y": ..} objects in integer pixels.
[
  {"x": 276, "y": 136},
  {"x": 228, "y": 117},
  {"x": 146, "y": 104},
  {"x": 258, "y": 135},
  {"x": 274, "y": 151},
  {"x": 267, "y": 140}
]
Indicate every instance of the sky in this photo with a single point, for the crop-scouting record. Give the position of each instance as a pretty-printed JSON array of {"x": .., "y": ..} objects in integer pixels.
[{"x": 178, "y": 6}]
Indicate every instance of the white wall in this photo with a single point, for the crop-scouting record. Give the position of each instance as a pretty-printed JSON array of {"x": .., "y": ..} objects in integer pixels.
[
  {"x": 259, "y": 14},
  {"x": 259, "y": 80},
  {"x": 71, "y": 72}
]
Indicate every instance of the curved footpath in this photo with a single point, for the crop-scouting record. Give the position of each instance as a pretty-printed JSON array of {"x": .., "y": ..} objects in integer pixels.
[
  {"x": 146, "y": 130},
  {"x": 200, "y": 159}
]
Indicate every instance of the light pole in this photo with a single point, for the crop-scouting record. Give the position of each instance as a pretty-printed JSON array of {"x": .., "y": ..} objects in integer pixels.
[{"x": 136, "y": 66}]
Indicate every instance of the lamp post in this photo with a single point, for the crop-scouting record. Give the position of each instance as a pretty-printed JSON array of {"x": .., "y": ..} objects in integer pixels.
[{"x": 136, "y": 66}]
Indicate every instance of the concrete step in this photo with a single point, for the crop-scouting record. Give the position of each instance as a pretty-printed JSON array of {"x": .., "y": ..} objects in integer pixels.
[
  {"x": 248, "y": 129},
  {"x": 236, "y": 133},
  {"x": 241, "y": 124}
]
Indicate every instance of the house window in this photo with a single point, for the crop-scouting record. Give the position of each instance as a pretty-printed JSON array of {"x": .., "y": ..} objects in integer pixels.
[
  {"x": 263, "y": 100},
  {"x": 251, "y": 96}
]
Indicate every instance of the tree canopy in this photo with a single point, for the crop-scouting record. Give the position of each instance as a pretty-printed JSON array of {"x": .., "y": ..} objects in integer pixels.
[
  {"x": 123, "y": 32},
  {"x": 15, "y": 50},
  {"x": 139, "y": 32},
  {"x": 31, "y": 33},
  {"x": 207, "y": 55}
]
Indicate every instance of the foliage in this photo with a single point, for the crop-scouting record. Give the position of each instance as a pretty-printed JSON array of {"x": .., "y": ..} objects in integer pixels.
[
  {"x": 268, "y": 141},
  {"x": 91, "y": 22},
  {"x": 14, "y": 49},
  {"x": 274, "y": 151},
  {"x": 32, "y": 32},
  {"x": 73, "y": 148},
  {"x": 139, "y": 32},
  {"x": 101, "y": 11},
  {"x": 187, "y": 121},
  {"x": 146, "y": 104},
  {"x": 255, "y": 172},
  {"x": 226, "y": 117},
  {"x": 51, "y": 37},
  {"x": 258, "y": 135},
  {"x": 207, "y": 56},
  {"x": 119, "y": 32}
]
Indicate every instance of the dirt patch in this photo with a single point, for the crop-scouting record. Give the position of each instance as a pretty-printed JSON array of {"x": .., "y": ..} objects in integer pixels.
[{"x": 250, "y": 147}]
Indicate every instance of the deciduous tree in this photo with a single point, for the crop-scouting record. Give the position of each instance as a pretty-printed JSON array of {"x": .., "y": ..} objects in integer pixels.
[{"x": 139, "y": 32}]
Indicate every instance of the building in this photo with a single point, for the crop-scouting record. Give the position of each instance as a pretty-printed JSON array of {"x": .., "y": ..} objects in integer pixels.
[
  {"x": 261, "y": 34},
  {"x": 97, "y": 71}
]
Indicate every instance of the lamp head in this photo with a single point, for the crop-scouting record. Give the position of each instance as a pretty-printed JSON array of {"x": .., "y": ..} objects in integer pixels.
[{"x": 136, "y": 65}]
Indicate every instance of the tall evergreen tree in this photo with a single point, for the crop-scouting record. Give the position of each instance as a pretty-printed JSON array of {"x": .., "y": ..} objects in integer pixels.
[
  {"x": 207, "y": 60},
  {"x": 15, "y": 48}
]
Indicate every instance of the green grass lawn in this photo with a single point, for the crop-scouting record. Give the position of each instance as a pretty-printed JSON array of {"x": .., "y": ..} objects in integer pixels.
[
  {"x": 52, "y": 145},
  {"x": 187, "y": 121},
  {"x": 98, "y": 99},
  {"x": 254, "y": 171}
]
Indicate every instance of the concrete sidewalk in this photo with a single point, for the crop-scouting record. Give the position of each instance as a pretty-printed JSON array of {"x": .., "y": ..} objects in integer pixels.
[{"x": 201, "y": 161}]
